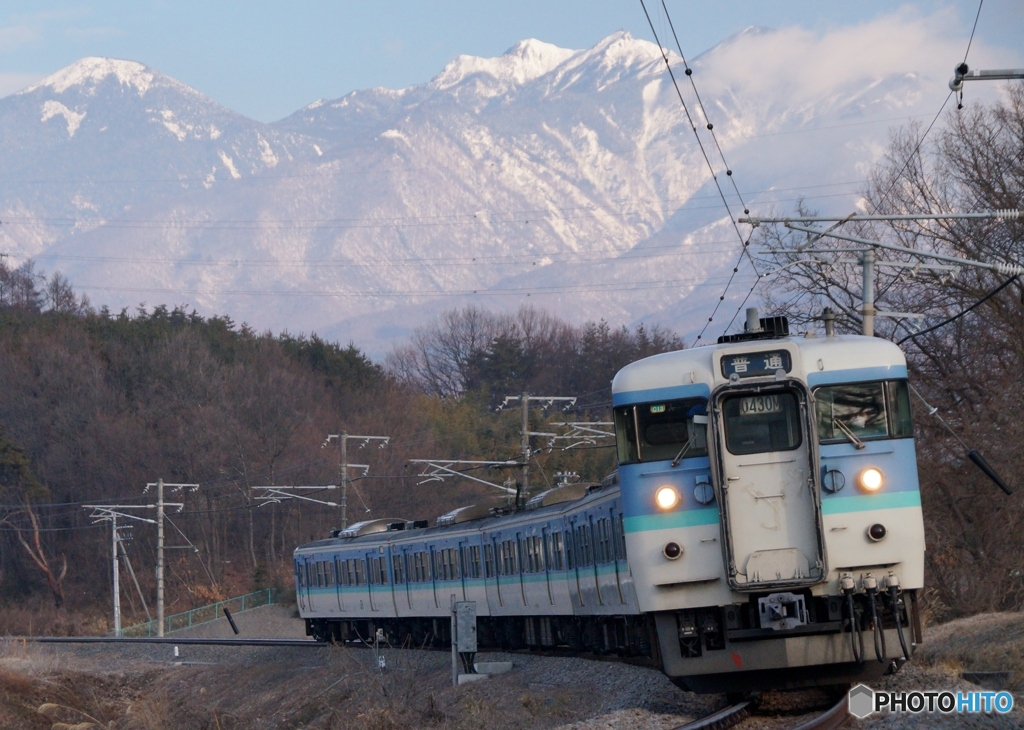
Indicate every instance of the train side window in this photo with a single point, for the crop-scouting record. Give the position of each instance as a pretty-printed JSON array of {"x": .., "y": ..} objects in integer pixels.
[
  {"x": 877, "y": 410},
  {"x": 584, "y": 548},
  {"x": 620, "y": 541},
  {"x": 300, "y": 575},
  {"x": 489, "y": 561},
  {"x": 539, "y": 547},
  {"x": 605, "y": 544},
  {"x": 755, "y": 424},
  {"x": 570, "y": 550},
  {"x": 360, "y": 572},
  {"x": 557, "y": 562},
  {"x": 659, "y": 431},
  {"x": 474, "y": 561},
  {"x": 512, "y": 551},
  {"x": 397, "y": 567}
]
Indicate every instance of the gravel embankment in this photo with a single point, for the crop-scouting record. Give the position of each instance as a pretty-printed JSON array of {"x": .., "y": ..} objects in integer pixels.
[{"x": 146, "y": 686}]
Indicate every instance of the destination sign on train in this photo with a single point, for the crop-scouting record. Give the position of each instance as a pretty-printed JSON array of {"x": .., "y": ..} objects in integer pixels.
[{"x": 756, "y": 364}]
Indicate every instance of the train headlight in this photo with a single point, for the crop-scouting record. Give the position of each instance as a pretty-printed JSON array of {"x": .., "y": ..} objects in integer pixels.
[
  {"x": 667, "y": 497},
  {"x": 870, "y": 480}
]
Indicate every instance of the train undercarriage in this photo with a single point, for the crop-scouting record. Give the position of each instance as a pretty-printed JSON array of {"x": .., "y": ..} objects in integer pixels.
[{"x": 712, "y": 649}]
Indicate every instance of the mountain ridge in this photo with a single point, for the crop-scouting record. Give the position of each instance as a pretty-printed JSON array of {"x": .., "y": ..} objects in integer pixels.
[{"x": 565, "y": 178}]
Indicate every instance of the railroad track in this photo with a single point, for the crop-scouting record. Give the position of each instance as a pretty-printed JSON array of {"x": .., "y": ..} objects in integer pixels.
[
  {"x": 832, "y": 718},
  {"x": 171, "y": 640}
]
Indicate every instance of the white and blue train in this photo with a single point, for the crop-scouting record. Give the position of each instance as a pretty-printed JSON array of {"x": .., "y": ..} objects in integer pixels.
[{"x": 763, "y": 529}]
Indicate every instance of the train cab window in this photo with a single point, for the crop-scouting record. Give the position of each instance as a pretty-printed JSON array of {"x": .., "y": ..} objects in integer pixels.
[
  {"x": 879, "y": 410},
  {"x": 661, "y": 431},
  {"x": 755, "y": 424}
]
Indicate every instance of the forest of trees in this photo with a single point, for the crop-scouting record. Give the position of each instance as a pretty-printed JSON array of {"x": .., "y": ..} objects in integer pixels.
[{"x": 94, "y": 404}]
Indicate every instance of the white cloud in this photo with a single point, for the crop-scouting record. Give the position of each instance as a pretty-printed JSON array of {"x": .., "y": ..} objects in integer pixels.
[{"x": 14, "y": 37}]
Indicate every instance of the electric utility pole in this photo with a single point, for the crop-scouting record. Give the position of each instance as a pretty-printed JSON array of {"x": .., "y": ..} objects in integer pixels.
[
  {"x": 117, "y": 585},
  {"x": 160, "y": 563},
  {"x": 527, "y": 452},
  {"x": 343, "y": 439}
]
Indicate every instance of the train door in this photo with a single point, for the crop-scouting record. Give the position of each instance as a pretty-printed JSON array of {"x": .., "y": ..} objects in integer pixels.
[
  {"x": 300, "y": 583},
  {"x": 461, "y": 559},
  {"x": 496, "y": 552},
  {"x": 372, "y": 581},
  {"x": 407, "y": 571},
  {"x": 589, "y": 539},
  {"x": 766, "y": 466},
  {"x": 434, "y": 574},
  {"x": 612, "y": 539},
  {"x": 517, "y": 546},
  {"x": 573, "y": 549},
  {"x": 310, "y": 568},
  {"x": 545, "y": 537},
  {"x": 387, "y": 569},
  {"x": 338, "y": 573}
]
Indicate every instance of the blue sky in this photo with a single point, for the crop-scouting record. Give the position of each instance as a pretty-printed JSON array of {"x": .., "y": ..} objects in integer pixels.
[{"x": 266, "y": 59}]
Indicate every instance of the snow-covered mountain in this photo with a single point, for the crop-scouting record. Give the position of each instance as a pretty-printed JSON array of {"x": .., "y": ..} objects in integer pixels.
[{"x": 567, "y": 179}]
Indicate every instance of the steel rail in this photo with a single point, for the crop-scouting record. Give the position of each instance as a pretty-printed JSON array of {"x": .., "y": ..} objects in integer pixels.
[
  {"x": 169, "y": 640},
  {"x": 832, "y": 718},
  {"x": 720, "y": 720}
]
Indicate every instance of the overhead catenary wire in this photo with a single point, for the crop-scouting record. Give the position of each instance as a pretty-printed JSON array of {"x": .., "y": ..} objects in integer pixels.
[
  {"x": 703, "y": 111},
  {"x": 710, "y": 127},
  {"x": 442, "y": 220}
]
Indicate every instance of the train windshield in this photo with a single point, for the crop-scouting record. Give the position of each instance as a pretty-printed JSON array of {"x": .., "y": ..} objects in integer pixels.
[
  {"x": 756, "y": 423},
  {"x": 863, "y": 411},
  {"x": 663, "y": 431}
]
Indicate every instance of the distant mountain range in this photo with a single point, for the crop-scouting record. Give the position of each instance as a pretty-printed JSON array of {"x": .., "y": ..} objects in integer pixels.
[{"x": 566, "y": 179}]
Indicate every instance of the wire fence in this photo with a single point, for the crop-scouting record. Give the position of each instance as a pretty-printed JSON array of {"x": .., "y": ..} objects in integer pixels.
[{"x": 205, "y": 614}]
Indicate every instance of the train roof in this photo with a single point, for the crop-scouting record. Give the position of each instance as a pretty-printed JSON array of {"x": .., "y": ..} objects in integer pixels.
[
  {"x": 594, "y": 493},
  {"x": 820, "y": 355}
]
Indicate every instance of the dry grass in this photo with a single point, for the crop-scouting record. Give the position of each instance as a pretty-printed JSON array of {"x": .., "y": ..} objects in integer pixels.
[
  {"x": 990, "y": 642},
  {"x": 38, "y": 617}
]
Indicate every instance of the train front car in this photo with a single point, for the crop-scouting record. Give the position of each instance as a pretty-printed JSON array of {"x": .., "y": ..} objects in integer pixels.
[{"x": 772, "y": 508}]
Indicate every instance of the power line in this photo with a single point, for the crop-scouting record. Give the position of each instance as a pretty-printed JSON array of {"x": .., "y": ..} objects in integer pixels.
[
  {"x": 448, "y": 220},
  {"x": 703, "y": 111},
  {"x": 974, "y": 28},
  {"x": 963, "y": 312},
  {"x": 480, "y": 291}
]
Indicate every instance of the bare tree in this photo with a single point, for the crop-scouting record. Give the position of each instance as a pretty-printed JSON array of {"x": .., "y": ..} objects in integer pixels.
[
  {"x": 971, "y": 366},
  {"x": 34, "y": 548}
]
